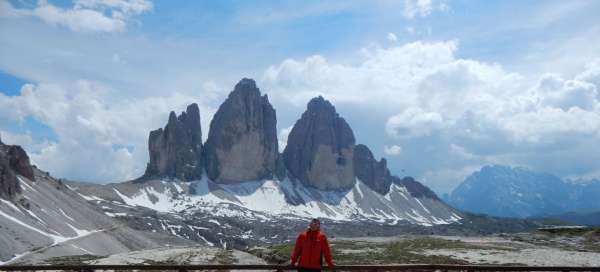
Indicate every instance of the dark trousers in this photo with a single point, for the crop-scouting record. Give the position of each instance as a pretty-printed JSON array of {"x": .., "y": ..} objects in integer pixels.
[{"x": 300, "y": 269}]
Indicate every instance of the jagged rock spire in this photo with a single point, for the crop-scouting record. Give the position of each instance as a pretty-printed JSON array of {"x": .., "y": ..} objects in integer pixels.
[
  {"x": 176, "y": 150},
  {"x": 320, "y": 148},
  {"x": 242, "y": 141}
]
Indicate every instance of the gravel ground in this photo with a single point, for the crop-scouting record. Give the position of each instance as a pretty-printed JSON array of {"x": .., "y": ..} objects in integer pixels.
[
  {"x": 179, "y": 255},
  {"x": 530, "y": 256},
  {"x": 516, "y": 252}
]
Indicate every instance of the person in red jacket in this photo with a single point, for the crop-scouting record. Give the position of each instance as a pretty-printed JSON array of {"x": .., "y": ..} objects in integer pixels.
[{"x": 311, "y": 246}]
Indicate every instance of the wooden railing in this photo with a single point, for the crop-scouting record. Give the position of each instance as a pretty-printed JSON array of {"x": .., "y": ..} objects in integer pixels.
[{"x": 407, "y": 267}]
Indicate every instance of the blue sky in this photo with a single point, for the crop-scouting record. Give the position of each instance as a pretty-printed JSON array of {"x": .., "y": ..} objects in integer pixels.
[{"x": 439, "y": 88}]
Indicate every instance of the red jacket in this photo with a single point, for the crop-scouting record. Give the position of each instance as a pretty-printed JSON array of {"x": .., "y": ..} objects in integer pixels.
[{"x": 311, "y": 246}]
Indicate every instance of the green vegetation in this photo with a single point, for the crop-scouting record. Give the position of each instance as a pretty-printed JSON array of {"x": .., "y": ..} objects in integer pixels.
[
  {"x": 224, "y": 257},
  {"x": 405, "y": 251},
  {"x": 72, "y": 260}
]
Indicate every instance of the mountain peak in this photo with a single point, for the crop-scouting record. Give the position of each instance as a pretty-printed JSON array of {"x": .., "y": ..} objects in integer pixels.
[
  {"x": 245, "y": 84},
  {"x": 502, "y": 190},
  {"x": 176, "y": 150},
  {"x": 242, "y": 141},
  {"x": 320, "y": 148}
]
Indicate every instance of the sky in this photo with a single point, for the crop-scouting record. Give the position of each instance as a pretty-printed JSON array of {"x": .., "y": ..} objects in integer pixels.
[{"x": 439, "y": 88}]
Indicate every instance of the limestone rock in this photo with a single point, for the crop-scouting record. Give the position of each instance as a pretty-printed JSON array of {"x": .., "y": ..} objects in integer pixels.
[
  {"x": 176, "y": 150},
  {"x": 373, "y": 173},
  {"x": 13, "y": 161},
  {"x": 320, "y": 148},
  {"x": 242, "y": 141}
]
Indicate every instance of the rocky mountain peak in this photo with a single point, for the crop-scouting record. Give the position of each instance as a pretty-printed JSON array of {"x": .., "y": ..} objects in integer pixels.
[
  {"x": 245, "y": 84},
  {"x": 242, "y": 141},
  {"x": 13, "y": 161},
  {"x": 176, "y": 150},
  {"x": 373, "y": 173},
  {"x": 320, "y": 148}
]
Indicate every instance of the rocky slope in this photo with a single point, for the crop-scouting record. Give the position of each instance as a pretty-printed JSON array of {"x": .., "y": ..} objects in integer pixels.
[
  {"x": 176, "y": 150},
  {"x": 45, "y": 218},
  {"x": 519, "y": 192},
  {"x": 242, "y": 141}
]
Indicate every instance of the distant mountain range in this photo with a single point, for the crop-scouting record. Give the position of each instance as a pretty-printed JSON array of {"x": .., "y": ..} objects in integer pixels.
[{"x": 519, "y": 192}]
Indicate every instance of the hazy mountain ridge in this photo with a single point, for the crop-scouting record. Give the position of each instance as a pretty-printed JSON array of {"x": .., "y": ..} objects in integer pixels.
[{"x": 519, "y": 192}]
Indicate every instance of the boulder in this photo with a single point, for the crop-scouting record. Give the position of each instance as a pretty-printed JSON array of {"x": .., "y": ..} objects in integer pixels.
[
  {"x": 242, "y": 141},
  {"x": 176, "y": 150},
  {"x": 320, "y": 148}
]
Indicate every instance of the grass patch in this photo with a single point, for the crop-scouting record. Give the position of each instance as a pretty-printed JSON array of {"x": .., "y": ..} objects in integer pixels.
[
  {"x": 72, "y": 260},
  {"x": 224, "y": 257},
  {"x": 409, "y": 251}
]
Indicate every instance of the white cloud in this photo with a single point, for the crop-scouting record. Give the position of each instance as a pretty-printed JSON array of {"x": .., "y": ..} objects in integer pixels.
[
  {"x": 283, "y": 136},
  {"x": 392, "y": 37},
  {"x": 591, "y": 74},
  {"x": 85, "y": 15},
  {"x": 393, "y": 150},
  {"x": 422, "y": 8},
  {"x": 439, "y": 106},
  {"x": 122, "y": 6},
  {"x": 413, "y": 122},
  {"x": 384, "y": 74},
  {"x": 93, "y": 127},
  {"x": 555, "y": 91}
]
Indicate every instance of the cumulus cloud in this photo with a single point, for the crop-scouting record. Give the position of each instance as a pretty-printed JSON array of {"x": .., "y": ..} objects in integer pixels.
[
  {"x": 414, "y": 122},
  {"x": 452, "y": 112},
  {"x": 393, "y": 150},
  {"x": 85, "y": 15},
  {"x": 555, "y": 91},
  {"x": 101, "y": 137}
]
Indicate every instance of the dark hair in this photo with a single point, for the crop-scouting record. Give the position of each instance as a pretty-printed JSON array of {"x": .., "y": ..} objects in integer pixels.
[{"x": 315, "y": 220}]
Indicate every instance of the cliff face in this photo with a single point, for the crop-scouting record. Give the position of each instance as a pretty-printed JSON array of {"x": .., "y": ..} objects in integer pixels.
[
  {"x": 373, "y": 173},
  {"x": 320, "y": 148},
  {"x": 13, "y": 161},
  {"x": 242, "y": 146},
  {"x": 242, "y": 141},
  {"x": 176, "y": 150}
]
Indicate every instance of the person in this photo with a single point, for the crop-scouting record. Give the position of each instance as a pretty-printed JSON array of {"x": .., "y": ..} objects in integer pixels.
[{"x": 311, "y": 246}]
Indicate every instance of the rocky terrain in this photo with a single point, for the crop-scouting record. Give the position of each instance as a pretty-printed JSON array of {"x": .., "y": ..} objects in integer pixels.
[
  {"x": 47, "y": 219},
  {"x": 13, "y": 162},
  {"x": 579, "y": 247}
]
